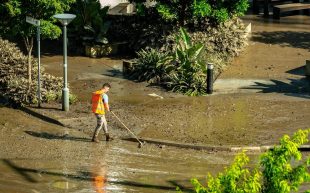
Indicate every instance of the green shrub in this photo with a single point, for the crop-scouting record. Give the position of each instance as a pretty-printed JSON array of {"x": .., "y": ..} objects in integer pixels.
[
  {"x": 282, "y": 170},
  {"x": 189, "y": 74},
  {"x": 14, "y": 78},
  {"x": 52, "y": 96},
  {"x": 222, "y": 42},
  {"x": 235, "y": 179},
  {"x": 73, "y": 98},
  {"x": 152, "y": 66}
]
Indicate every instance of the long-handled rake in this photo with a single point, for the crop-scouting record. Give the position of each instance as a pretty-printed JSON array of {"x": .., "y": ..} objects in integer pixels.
[{"x": 140, "y": 142}]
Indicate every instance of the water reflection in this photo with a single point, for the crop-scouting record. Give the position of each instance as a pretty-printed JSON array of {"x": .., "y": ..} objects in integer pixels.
[
  {"x": 99, "y": 177},
  {"x": 118, "y": 167}
]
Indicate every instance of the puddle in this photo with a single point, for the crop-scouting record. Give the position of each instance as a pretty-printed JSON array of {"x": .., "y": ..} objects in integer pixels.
[
  {"x": 117, "y": 168},
  {"x": 64, "y": 185}
]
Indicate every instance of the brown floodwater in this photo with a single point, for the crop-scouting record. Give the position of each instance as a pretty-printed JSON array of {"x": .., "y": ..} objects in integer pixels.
[
  {"x": 122, "y": 169},
  {"x": 37, "y": 156}
]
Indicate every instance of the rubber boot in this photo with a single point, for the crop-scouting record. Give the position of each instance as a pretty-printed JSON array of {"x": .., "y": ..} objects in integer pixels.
[
  {"x": 95, "y": 138},
  {"x": 108, "y": 138}
]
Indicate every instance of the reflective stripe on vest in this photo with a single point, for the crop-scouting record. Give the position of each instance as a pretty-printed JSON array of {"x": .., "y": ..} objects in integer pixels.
[{"x": 97, "y": 103}]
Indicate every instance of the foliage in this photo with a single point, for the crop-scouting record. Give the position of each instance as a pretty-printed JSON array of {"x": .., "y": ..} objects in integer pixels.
[
  {"x": 283, "y": 171},
  {"x": 189, "y": 75},
  {"x": 91, "y": 22},
  {"x": 15, "y": 12},
  {"x": 189, "y": 11},
  {"x": 13, "y": 78},
  {"x": 13, "y": 24},
  {"x": 73, "y": 98},
  {"x": 221, "y": 42},
  {"x": 183, "y": 71},
  {"x": 151, "y": 66},
  {"x": 235, "y": 179},
  {"x": 283, "y": 168}
]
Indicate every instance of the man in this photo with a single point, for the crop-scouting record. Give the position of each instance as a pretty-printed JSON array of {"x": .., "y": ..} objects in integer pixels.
[{"x": 100, "y": 104}]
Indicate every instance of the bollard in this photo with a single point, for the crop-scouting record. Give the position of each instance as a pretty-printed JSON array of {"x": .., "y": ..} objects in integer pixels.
[{"x": 210, "y": 68}]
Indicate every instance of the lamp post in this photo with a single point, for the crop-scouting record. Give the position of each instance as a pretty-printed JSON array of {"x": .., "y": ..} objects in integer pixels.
[
  {"x": 65, "y": 19},
  {"x": 210, "y": 68}
]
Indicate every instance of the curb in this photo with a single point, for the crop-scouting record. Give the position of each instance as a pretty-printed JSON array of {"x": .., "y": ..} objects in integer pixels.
[{"x": 211, "y": 147}]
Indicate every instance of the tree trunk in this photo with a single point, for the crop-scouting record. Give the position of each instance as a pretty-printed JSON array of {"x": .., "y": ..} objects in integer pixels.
[{"x": 29, "y": 45}]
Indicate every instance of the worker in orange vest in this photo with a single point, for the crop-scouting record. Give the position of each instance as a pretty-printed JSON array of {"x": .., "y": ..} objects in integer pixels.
[{"x": 100, "y": 104}]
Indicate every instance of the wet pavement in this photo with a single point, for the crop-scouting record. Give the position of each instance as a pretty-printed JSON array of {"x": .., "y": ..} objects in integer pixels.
[
  {"x": 123, "y": 167},
  {"x": 37, "y": 156},
  {"x": 43, "y": 157}
]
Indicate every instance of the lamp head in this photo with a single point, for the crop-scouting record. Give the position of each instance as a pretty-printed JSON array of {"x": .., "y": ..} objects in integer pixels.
[{"x": 64, "y": 18}]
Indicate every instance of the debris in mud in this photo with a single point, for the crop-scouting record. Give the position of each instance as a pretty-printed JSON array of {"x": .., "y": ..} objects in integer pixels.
[{"x": 156, "y": 96}]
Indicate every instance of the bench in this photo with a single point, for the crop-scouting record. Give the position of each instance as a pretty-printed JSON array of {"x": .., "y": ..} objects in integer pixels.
[
  {"x": 267, "y": 3},
  {"x": 278, "y": 9}
]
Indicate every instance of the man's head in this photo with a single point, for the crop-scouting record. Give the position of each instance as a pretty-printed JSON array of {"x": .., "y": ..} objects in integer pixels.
[{"x": 106, "y": 87}]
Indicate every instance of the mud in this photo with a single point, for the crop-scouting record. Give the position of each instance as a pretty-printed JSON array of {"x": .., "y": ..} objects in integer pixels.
[
  {"x": 277, "y": 103},
  {"x": 40, "y": 157},
  {"x": 39, "y": 154},
  {"x": 277, "y": 49}
]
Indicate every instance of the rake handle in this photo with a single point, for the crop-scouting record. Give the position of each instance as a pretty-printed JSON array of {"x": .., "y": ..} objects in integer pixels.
[{"x": 126, "y": 127}]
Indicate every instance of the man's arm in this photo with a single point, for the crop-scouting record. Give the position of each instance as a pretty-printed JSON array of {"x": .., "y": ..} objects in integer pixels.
[
  {"x": 106, "y": 102},
  {"x": 107, "y": 107}
]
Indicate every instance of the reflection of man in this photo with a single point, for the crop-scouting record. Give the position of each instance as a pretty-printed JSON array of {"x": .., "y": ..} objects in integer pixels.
[{"x": 99, "y": 180}]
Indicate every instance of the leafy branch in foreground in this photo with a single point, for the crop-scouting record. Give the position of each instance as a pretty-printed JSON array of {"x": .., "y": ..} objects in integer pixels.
[{"x": 283, "y": 170}]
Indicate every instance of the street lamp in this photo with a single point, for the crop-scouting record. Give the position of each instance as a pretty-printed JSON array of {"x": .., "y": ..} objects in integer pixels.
[{"x": 65, "y": 19}]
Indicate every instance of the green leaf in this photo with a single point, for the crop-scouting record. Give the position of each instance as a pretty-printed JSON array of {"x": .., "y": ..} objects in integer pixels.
[{"x": 185, "y": 37}]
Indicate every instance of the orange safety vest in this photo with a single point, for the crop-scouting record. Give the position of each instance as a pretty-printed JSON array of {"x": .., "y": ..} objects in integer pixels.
[{"x": 97, "y": 103}]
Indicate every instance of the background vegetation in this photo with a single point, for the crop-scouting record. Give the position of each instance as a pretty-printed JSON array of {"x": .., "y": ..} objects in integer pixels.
[
  {"x": 13, "y": 78},
  {"x": 280, "y": 170},
  {"x": 212, "y": 25},
  {"x": 13, "y": 22},
  {"x": 165, "y": 54},
  {"x": 189, "y": 12}
]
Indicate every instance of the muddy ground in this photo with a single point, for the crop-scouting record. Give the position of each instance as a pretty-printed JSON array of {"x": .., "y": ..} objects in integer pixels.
[
  {"x": 276, "y": 53},
  {"x": 39, "y": 155}
]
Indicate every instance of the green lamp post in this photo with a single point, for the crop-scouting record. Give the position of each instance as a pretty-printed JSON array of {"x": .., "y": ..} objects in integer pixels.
[{"x": 65, "y": 19}]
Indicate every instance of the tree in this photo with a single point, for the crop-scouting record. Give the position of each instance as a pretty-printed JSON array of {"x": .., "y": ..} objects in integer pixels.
[
  {"x": 13, "y": 25},
  {"x": 90, "y": 22},
  {"x": 186, "y": 11}
]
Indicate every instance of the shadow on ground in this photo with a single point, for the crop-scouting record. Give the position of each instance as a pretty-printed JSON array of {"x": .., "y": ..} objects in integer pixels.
[
  {"x": 40, "y": 116},
  {"x": 116, "y": 73},
  {"x": 297, "y": 71},
  {"x": 86, "y": 176},
  {"x": 50, "y": 136},
  {"x": 284, "y": 38},
  {"x": 295, "y": 87}
]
